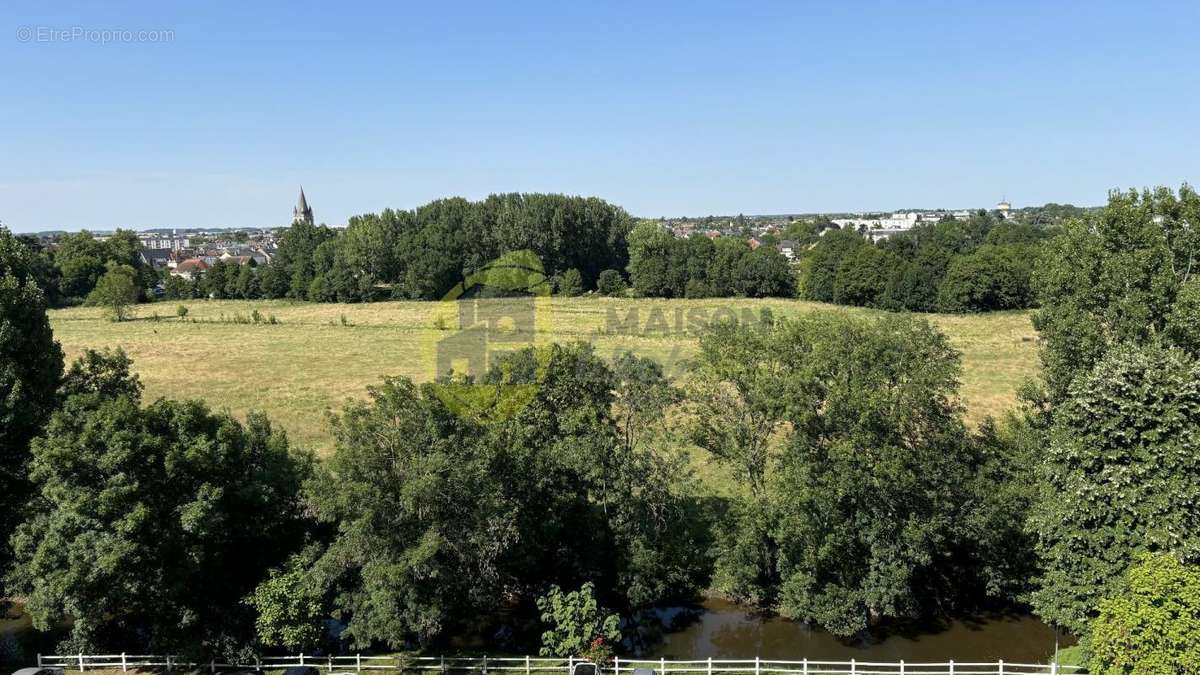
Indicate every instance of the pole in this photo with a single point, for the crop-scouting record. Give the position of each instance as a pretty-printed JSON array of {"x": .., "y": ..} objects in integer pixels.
[
  {"x": 951, "y": 666},
  {"x": 662, "y": 665},
  {"x": 81, "y": 662},
  {"x": 757, "y": 666},
  {"x": 1001, "y": 666},
  {"x": 806, "y": 665},
  {"x": 710, "y": 665},
  {"x": 526, "y": 664},
  {"x": 485, "y": 664},
  {"x": 358, "y": 662},
  {"x": 853, "y": 668},
  {"x": 124, "y": 665}
]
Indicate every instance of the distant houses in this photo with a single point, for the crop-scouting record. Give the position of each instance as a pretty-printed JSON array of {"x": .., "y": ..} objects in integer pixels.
[{"x": 190, "y": 269}]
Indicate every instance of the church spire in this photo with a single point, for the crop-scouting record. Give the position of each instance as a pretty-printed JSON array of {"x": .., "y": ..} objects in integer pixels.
[{"x": 302, "y": 213}]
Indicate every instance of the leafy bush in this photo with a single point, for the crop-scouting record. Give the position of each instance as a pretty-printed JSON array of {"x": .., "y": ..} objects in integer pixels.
[
  {"x": 1153, "y": 628},
  {"x": 578, "y": 625}
]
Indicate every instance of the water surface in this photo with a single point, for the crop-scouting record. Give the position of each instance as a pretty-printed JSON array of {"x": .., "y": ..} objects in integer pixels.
[{"x": 723, "y": 630}]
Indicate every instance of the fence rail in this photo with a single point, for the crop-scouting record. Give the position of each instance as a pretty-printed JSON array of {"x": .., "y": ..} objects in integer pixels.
[{"x": 531, "y": 665}]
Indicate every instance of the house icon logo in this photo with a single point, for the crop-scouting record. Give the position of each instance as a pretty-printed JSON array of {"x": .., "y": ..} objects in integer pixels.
[{"x": 502, "y": 308}]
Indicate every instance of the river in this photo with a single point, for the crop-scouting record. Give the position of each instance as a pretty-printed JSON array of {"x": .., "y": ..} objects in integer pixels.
[{"x": 723, "y": 630}]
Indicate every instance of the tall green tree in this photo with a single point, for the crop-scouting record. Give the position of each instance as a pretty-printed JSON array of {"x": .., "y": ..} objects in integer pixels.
[
  {"x": 31, "y": 363},
  {"x": 875, "y": 481},
  {"x": 140, "y": 532},
  {"x": 1119, "y": 478},
  {"x": 421, "y": 524},
  {"x": 1116, "y": 278},
  {"x": 116, "y": 291}
]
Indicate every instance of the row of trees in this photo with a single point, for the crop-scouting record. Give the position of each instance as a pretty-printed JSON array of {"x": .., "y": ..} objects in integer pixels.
[
  {"x": 70, "y": 273},
  {"x": 974, "y": 265},
  {"x": 421, "y": 254},
  {"x": 665, "y": 266}
]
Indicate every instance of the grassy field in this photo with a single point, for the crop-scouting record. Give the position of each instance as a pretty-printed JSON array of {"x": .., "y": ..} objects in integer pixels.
[{"x": 318, "y": 355}]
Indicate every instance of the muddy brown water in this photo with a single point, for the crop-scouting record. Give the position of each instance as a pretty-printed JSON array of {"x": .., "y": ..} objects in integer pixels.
[{"x": 723, "y": 630}]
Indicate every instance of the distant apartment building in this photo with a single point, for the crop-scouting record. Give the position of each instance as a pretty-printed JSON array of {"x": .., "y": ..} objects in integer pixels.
[
  {"x": 882, "y": 227},
  {"x": 169, "y": 242}
]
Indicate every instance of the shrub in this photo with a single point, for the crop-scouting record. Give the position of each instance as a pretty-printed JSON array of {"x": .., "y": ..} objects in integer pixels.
[{"x": 610, "y": 283}]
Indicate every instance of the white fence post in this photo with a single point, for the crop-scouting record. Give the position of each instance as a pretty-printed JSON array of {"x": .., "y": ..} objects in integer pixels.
[
  {"x": 485, "y": 664},
  {"x": 662, "y": 665},
  {"x": 901, "y": 666},
  {"x": 616, "y": 665},
  {"x": 212, "y": 665},
  {"x": 124, "y": 665},
  {"x": 1001, "y": 662},
  {"x": 39, "y": 660},
  {"x": 853, "y": 668},
  {"x": 301, "y": 658},
  {"x": 526, "y": 664},
  {"x": 757, "y": 666},
  {"x": 951, "y": 666},
  {"x": 570, "y": 664},
  {"x": 168, "y": 663},
  {"x": 806, "y": 665},
  {"x": 358, "y": 662},
  {"x": 81, "y": 662},
  {"x": 1054, "y": 665},
  {"x": 710, "y": 665}
]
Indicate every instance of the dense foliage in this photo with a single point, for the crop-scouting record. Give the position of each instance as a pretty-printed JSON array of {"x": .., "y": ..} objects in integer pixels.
[
  {"x": 665, "y": 266},
  {"x": 441, "y": 518},
  {"x": 866, "y": 498},
  {"x": 1120, "y": 478},
  {"x": 152, "y": 523},
  {"x": 1153, "y": 627},
  {"x": 975, "y": 265},
  {"x": 1128, "y": 275},
  {"x": 31, "y": 363},
  {"x": 578, "y": 625}
]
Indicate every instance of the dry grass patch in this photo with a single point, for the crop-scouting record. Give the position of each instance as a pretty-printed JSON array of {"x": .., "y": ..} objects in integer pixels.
[{"x": 311, "y": 361}]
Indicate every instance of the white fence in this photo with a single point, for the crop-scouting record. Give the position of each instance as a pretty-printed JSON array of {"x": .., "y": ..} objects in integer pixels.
[{"x": 529, "y": 665}]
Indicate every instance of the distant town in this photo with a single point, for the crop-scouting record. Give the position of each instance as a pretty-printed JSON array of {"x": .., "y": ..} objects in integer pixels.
[{"x": 189, "y": 252}]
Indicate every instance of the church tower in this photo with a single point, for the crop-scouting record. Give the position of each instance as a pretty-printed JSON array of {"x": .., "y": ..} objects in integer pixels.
[{"x": 302, "y": 213}]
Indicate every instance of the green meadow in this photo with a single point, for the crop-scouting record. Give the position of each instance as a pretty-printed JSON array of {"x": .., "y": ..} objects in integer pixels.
[{"x": 315, "y": 356}]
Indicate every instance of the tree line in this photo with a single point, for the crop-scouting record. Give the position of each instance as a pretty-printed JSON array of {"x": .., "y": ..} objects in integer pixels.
[
  {"x": 979, "y": 264},
  {"x": 860, "y": 495}
]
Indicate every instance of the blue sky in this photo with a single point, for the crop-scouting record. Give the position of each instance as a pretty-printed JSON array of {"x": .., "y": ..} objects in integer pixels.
[{"x": 683, "y": 108}]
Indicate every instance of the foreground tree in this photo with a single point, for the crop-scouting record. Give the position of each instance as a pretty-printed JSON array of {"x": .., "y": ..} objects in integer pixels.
[
  {"x": 865, "y": 497},
  {"x": 875, "y": 484},
  {"x": 140, "y": 532},
  {"x": 1118, "y": 278},
  {"x": 442, "y": 519},
  {"x": 1153, "y": 628},
  {"x": 31, "y": 363},
  {"x": 420, "y": 523},
  {"x": 1120, "y": 479}
]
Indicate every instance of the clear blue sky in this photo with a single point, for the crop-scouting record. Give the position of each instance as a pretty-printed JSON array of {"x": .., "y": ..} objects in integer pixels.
[{"x": 683, "y": 108}]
